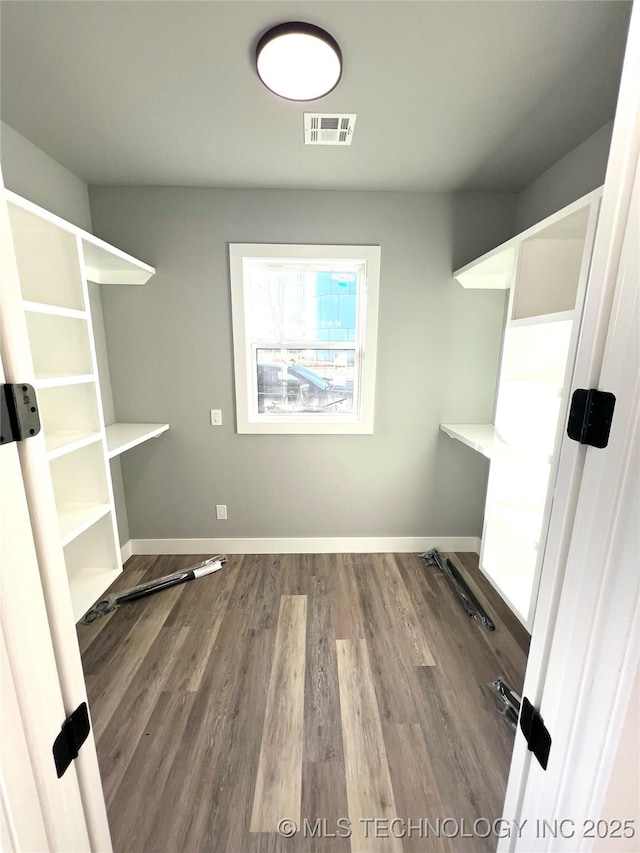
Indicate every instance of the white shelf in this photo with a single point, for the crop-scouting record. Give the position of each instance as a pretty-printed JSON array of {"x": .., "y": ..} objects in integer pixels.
[
  {"x": 543, "y": 319},
  {"x": 74, "y": 519},
  {"x": 53, "y": 310},
  {"x": 105, "y": 264},
  {"x": 55, "y": 381},
  {"x": 60, "y": 443},
  {"x": 121, "y": 437},
  {"x": 493, "y": 271},
  {"x": 477, "y": 436}
]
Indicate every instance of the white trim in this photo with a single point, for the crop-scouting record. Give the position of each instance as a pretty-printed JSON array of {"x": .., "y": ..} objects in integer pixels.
[
  {"x": 126, "y": 551},
  {"x": 306, "y": 545}
]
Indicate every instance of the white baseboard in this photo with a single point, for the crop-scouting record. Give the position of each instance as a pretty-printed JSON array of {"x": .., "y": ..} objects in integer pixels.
[
  {"x": 323, "y": 545},
  {"x": 126, "y": 551}
]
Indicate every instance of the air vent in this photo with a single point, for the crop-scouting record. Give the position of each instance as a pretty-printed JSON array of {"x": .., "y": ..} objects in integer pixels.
[{"x": 328, "y": 128}]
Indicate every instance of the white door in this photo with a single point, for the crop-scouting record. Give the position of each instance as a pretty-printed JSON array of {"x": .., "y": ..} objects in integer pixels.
[
  {"x": 42, "y": 679},
  {"x": 585, "y": 645}
]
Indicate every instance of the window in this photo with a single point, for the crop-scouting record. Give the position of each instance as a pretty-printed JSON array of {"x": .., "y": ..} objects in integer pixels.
[{"x": 304, "y": 318}]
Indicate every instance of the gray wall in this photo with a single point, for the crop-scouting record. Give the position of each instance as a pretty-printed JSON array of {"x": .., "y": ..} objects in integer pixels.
[
  {"x": 170, "y": 349},
  {"x": 31, "y": 173},
  {"x": 580, "y": 171},
  {"x": 170, "y": 353}
]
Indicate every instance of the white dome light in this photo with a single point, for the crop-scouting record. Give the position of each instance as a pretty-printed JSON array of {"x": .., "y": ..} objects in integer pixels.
[{"x": 297, "y": 61}]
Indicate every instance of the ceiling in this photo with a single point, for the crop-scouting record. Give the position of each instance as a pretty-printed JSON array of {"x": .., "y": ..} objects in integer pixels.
[{"x": 449, "y": 95}]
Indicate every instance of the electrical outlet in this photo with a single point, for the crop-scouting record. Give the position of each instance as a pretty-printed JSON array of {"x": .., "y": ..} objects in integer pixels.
[
  {"x": 216, "y": 417},
  {"x": 221, "y": 512}
]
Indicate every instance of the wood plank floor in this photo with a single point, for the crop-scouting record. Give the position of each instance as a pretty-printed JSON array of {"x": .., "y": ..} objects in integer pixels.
[{"x": 330, "y": 690}]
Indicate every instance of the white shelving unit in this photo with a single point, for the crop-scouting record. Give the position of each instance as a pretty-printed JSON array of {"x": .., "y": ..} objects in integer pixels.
[
  {"x": 546, "y": 270},
  {"x": 55, "y": 261}
]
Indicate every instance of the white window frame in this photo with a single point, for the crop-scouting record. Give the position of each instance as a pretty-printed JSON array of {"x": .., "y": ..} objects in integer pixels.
[{"x": 248, "y": 419}]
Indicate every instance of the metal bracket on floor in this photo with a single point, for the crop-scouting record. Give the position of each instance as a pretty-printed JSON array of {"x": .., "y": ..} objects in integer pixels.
[
  {"x": 508, "y": 700},
  {"x": 459, "y": 585}
]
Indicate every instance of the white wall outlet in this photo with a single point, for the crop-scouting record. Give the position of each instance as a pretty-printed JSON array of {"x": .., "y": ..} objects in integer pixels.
[
  {"x": 216, "y": 417},
  {"x": 221, "y": 512}
]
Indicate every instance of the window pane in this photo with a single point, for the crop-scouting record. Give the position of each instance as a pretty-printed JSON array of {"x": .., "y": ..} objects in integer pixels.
[
  {"x": 305, "y": 380},
  {"x": 299, "y": 305}
]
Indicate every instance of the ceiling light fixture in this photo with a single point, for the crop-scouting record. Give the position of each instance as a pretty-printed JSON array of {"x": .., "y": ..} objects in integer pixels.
[{"x": 299, "y": 62}]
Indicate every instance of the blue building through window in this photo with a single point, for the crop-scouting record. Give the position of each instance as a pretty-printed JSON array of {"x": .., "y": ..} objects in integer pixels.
[{"x": 336, "y": 304}]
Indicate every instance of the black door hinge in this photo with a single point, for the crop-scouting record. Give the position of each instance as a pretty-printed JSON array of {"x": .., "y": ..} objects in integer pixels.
[
  {"x": 73, "y": 734},
  {"x": 19, "y": 416},
  {"x": 590, "y": 417},
  {"x": 535, "y": 732}
]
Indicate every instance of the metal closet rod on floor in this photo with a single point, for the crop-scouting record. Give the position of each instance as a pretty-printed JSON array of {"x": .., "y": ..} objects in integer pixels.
[{"x": 108, "y": 604}]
